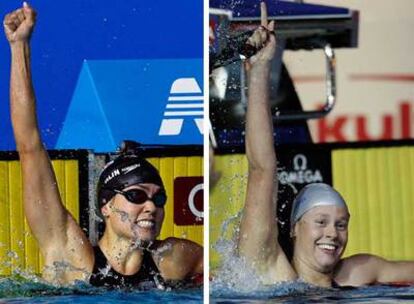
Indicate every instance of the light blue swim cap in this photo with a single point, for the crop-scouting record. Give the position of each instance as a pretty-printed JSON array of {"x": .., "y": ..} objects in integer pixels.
[{"x": 315, "y": 195}]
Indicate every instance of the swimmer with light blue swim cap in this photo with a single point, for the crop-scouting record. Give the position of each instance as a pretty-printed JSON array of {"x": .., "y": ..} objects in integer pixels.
[{"x": 315, "y": 195}]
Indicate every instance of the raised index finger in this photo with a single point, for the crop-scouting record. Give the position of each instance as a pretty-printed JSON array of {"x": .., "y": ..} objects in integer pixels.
[{"x": 263, "y": 14}]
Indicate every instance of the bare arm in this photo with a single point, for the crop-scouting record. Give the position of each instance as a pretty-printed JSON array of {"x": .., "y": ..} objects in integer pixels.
[
  {"x": 180, "y": 259},
  {"x": 48, "y": 219},
  {"x": 258, "y": 229},
  {"x": 365, "y": 269}
]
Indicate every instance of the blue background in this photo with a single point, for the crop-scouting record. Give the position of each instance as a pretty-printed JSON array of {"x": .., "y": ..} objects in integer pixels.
[{"x": 69, "y": 32}]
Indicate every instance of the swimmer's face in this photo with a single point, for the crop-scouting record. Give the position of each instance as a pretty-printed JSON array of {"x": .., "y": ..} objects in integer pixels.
[
  {"x": 320, "y": 237},
  {"x": 135, "y": 221}
]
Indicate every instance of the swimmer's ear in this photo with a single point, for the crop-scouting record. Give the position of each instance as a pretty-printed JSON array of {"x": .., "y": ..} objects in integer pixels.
[
  {"x": 105, "y": 209},
  {"x": 293, "y": 232}
]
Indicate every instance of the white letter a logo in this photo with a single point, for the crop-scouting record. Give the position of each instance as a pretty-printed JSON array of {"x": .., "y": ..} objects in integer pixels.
[{"x": 185, "y": 102}]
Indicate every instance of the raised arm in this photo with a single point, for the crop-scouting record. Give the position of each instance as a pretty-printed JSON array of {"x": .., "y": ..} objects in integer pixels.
[
  {"x": 48, "y": 219},
  {"x": 258, "y": 242}
]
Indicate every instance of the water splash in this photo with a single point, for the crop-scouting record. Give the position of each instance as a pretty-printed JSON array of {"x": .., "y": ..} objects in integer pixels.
[
  {"x": 236, "y": 279},
  {"x": 233, "y": 271},
  {"x": 22, "y": 286}
]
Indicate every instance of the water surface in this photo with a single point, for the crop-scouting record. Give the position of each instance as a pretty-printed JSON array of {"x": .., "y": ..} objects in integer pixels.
[{"x": 20, "y": 290}]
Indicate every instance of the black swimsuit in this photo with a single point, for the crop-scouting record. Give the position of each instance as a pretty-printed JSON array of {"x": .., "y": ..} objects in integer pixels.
[{"x": 148, "y": 276}]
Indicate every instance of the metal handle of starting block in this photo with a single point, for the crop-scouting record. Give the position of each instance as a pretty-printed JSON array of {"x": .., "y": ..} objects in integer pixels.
[{"x": 330, "y": 93}]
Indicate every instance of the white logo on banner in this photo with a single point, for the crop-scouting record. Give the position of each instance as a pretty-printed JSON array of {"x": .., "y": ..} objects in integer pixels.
[
  {"x": 300, "y": 174},
  {"x": 191, "y": 201},
  {"x": 184, "y": 103}
]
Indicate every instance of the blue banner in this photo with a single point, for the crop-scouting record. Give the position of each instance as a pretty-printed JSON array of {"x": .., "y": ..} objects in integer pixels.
[
  {"x": 156, "y": 101},
  {"x": 106, "y": 69}
]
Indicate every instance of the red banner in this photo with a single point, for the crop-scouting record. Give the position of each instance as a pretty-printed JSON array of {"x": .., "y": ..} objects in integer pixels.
[{"x": 188, "y": 200}]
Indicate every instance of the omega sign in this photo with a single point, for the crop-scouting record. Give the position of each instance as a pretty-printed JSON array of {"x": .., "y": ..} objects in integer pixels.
[
  {"x": 300, "y": 173},
  {"x": 188, "y": 200}
]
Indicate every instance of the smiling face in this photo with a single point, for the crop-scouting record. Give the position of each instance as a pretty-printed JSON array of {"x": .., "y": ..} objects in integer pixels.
[
  {"x": 320, "y": 237},
  {"x": 134, "y": 221}
]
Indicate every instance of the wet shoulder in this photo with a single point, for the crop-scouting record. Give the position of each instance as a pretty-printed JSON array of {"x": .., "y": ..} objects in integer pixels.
[
  {"x": 357, "y": 270},
  {"x": 175, "y": 245},
  {"x": 178, "y": 258}
]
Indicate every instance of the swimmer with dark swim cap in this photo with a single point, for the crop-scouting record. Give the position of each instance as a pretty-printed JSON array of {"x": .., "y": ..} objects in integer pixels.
[
  {"x": 132, "y": 178},
  {"x": 126, "y": 170},
  {"x": 131, "y": 200},
  {"x": 319, "y": 218}
]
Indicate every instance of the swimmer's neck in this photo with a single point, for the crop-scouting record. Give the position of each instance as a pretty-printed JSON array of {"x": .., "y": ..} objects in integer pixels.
[
  {"x": 121, "y": 253},
  {"x": 310, "y": 275}
]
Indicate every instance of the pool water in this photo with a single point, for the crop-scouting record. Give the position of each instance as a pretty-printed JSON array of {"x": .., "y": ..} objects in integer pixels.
[
  {"x": 19, "y": 290},
  {"x": 297, "y": 292},
  {"x": 235, "y": 282}
]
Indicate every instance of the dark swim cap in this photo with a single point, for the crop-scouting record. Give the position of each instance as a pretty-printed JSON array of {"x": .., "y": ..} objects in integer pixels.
[{"x": 126, "y": 170}]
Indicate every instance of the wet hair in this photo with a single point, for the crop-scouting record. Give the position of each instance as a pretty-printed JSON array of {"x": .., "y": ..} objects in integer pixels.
[
  {"x": 314, "y": 195},
  {"x": 127, "y": 169}
]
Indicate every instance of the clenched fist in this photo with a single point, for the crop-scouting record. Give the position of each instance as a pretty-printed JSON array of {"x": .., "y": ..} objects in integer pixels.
[{"x": 18, "y": 25}]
